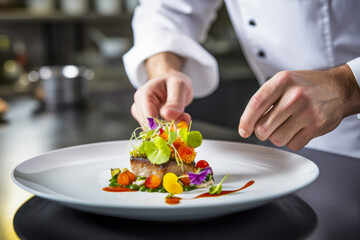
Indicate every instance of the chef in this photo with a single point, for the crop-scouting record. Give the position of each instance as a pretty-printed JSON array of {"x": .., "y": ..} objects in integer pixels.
[{"x": 305, "y": 55}]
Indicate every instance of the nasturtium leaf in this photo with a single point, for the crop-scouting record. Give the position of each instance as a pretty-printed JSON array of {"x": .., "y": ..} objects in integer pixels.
[
  {"x": 194, "y": 139},
  {"x": 158, "y": 151},
  {"x": 142, "y": 147}
]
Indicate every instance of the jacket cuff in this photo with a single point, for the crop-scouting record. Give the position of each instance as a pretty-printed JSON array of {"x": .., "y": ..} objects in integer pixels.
[{"x": 355, "y": 68}]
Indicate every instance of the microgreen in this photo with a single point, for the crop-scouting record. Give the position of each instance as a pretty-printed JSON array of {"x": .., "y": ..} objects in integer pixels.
[
  {"x": 159, "y": 151},
  {"x": 216, "y": 189}
]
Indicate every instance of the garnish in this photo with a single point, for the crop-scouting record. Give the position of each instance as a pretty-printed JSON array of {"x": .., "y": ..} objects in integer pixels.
[
  {"x": 202, "y": 164},
  {"x": 162, "y": 141},
  {"x": 198, "y": 178},
  {"x": 171, "y": 184},
  {"x": 216, "y": 189},
  {"x": 184, "y": 179},
  {"x": 157, "y": 151},
  {"x": 152, "y": 181},
  {"x": 194, "y": 139},
  {"x": 152, "y": 123}
]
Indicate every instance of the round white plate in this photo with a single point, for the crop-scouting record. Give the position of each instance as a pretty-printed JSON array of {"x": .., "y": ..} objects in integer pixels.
[{"x": 75, "y": 177}]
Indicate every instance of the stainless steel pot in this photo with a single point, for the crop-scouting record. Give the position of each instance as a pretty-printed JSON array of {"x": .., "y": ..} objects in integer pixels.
[{"x": 62, "y": 86}]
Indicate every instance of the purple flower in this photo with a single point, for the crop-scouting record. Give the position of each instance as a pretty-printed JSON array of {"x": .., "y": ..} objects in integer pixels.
[
  {"x": 152, "y": 123},
  {"x": 209, "y": 169},
  {"x": 198, "y": 178}
]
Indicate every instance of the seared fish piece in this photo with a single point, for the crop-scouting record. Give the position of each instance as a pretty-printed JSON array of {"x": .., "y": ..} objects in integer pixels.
[{"x": 143, "y": 167}]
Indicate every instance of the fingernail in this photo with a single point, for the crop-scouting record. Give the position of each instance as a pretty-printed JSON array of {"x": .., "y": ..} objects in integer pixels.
[{"x": 242, "y": 132}]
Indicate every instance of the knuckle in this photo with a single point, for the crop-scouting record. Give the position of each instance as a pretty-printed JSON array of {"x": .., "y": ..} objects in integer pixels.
[
  {"x": 261, "y": 132},
  {"x": 320, "y": 120},
  {"x": 283, "y": 77},
  {"x": 256, "y": 100},
  {"x": 298, "y": 96}
]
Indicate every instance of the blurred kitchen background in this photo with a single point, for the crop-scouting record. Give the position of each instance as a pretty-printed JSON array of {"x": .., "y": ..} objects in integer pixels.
[
  {"x": 62, "y": 83},
  {"x": 94, "y": 34}
]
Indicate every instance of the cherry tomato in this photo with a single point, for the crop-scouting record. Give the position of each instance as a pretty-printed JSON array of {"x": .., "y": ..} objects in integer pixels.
[
  {"x": 185, "y": 179},
  {"x": 152, "y": 181},
  {"x": 202, "y": 164},
  {"x": 131, "y": 176},
  {"x": 123, "y": 179}
]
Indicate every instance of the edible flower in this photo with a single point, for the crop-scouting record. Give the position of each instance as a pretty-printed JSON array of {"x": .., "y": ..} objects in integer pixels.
[
  {"x": 152, "y": 123},
  {"x": 198, "y": 178},
  {"x": 171, "y": 184}
]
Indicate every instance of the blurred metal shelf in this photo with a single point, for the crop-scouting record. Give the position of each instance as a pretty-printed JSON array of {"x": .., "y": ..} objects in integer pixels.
[{"x": 24, "y": 15}]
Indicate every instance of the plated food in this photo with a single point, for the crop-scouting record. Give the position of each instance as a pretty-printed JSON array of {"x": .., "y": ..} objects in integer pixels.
[{"x": 162, "y": 159}]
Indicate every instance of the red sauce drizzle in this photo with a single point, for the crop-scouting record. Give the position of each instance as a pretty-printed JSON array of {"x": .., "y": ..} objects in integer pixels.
[
  {"x": 176, "y": 200},
  {"x": 118, "y": 189},
  {"x": 172, "y": 200}
]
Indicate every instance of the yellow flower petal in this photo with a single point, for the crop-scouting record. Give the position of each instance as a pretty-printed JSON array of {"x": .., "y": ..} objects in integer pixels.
[{"x": 171, "y": 184}]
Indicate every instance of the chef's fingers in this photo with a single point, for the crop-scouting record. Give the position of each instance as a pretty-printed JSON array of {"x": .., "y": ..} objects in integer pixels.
[
  {"x": 283, "y": 134},
  {"x": 183, "y": 117},
  {"x": 147, "y": 101},
  {"x": 179, "y": 95},
  {"x": 261, "y": 102},
  {"x": 302, "y": 138},
  {"x": 287, "y": 110}
]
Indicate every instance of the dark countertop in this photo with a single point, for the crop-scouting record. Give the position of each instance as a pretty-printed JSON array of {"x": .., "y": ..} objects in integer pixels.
[{"x": 326, "y": 209}]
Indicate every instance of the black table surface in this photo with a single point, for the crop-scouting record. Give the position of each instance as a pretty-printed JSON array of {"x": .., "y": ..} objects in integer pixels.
[{"x": 326, "y": 209}]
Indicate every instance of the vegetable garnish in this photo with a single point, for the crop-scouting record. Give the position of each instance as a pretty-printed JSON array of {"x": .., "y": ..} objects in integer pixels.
[
  {"x": 198, "y": 178},
  {"x": 163, "y": 141},
  {"x": 152, "y": 123},
  {"x": 216, "y": 189},
  {"x": 202, "y": 164},
  {"x": 170, "y": 183}
]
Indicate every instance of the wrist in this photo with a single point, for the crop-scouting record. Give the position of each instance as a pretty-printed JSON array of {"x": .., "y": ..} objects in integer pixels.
[
  {"x": 348, "y": 88},
  {"x": 163, "y": 63}
]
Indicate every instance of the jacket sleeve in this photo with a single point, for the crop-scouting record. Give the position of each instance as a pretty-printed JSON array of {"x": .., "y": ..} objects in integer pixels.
[{"x": 175, "y": 26}]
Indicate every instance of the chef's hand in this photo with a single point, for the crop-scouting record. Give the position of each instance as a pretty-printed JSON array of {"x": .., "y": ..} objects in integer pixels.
[
  {"x": 294, "y": 107},
  {"x": 167, "y": 92}
]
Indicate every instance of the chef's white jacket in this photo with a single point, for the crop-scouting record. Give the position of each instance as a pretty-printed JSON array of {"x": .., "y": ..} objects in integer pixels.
[{"x": 274, "y": 35}]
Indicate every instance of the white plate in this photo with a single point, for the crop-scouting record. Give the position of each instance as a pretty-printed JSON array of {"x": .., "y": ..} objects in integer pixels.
[{"x": 75, "y": 177}]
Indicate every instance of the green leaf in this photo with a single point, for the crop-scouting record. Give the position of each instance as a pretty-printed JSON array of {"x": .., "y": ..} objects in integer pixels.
[
  {"x": 183, "y": 134},
  {"x": 172, "y": 137},
  {"x": 142, "y": 148},
  {"x": 194, "y": 139},
  {"x": 158, "y": 151}
]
